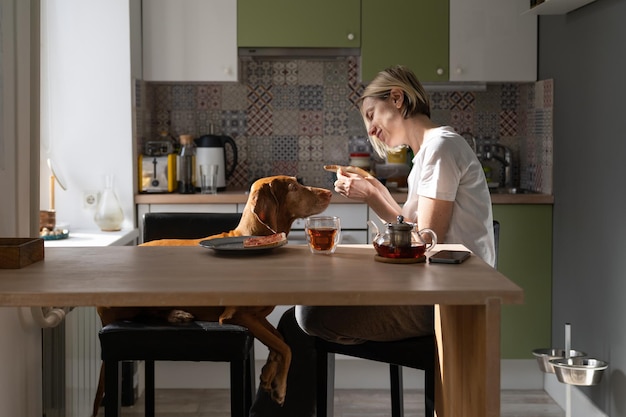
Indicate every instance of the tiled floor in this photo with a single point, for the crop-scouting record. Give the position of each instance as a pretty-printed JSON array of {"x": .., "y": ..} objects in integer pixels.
[{"x": 348, "y": 403}]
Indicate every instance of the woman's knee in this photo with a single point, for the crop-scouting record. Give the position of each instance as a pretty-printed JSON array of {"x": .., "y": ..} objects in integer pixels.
[
  {"x": 308, "y": 319},
  {"x": 320, "y": 322}
]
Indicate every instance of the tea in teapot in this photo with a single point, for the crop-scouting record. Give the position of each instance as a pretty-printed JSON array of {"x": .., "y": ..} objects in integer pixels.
[{"x": 401, "y": 240}]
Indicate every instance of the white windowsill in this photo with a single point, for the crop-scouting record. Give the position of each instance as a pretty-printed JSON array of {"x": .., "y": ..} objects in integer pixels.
[{"x": 95, "y": 237}]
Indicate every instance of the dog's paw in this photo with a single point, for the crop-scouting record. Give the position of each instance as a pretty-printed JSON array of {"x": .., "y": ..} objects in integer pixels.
[
  {"x": 227, "y": 314},
  {"x": 179, "y": 316},
  {"x": 278, "y": 394},
  {"x": 272, "y": 380}
]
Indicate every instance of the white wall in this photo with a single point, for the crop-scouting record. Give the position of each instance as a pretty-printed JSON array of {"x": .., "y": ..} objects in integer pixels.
[
  {"x": 20, "y": 344},
  {"x": 87, "y": 100}
]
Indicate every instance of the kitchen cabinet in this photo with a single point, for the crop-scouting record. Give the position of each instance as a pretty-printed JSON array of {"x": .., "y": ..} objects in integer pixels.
[
  {"x": 298, "y": 23},
  {"x": 405, "y": 32},
  {"x": 191, "y": 40},
  {"x": 136, "y": 49},
  {"x": 450, "y": 40},
  {"x": 525, "y": 257},
  {"x": 492, "y": 41}
]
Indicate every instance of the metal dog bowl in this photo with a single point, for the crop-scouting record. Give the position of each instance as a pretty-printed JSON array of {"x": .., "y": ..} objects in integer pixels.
[
  {"x": 545, "y": 355},
  {"x": 579, "y": 371}
]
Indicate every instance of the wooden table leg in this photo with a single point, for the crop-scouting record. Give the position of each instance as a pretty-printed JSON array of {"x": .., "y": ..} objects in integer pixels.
[{"x": 468, "y": 371}]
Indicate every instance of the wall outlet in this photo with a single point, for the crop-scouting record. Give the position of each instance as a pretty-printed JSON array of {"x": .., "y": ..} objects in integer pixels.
[{"x": 90, "y": 199}]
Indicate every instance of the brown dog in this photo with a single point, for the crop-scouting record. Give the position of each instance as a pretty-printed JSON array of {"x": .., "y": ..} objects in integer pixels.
[{"x": 273, "y": 205}]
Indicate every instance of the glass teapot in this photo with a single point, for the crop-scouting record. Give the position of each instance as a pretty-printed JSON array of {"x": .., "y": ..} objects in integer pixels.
[{"x": 401, "y": 240}]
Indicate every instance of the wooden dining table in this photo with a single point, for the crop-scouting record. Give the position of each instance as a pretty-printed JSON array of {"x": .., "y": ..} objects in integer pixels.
[{"x": 467, "y": 297}]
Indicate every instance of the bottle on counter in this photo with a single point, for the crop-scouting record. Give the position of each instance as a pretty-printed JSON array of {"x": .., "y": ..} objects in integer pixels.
[
  {"x": 187, "y": 165},
  {"x": 109, "y": 215}
]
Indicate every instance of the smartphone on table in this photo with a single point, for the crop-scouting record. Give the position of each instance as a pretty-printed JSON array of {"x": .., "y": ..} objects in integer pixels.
[{"x": 449, "y": 256}]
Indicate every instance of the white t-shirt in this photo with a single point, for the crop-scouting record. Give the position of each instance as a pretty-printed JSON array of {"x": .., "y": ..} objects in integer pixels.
[{"x": 446, "y": 168}]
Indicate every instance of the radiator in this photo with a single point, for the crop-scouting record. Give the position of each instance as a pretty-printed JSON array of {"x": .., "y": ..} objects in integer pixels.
[{"x": 71, "y": 364}]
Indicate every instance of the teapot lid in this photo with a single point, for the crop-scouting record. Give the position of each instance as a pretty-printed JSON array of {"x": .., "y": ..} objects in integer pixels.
[{"x": 401, "y": 226}]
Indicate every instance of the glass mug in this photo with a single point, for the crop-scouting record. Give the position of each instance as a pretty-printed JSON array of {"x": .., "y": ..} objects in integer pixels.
[{"x": 322, "y": 233}]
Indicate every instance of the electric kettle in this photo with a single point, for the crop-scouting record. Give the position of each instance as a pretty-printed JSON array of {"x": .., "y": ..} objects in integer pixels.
[{"x": 211, "y": 150}]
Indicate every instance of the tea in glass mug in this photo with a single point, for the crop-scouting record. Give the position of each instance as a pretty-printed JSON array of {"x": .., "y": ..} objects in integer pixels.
[{"x": 323, "y": 233}]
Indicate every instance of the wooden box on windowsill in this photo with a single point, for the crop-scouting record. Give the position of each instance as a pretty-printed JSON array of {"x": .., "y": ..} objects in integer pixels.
[{"x": 18, "y": 252}]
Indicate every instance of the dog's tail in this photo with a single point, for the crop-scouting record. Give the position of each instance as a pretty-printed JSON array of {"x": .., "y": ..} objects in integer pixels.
[{"x": 97, "y": 401}]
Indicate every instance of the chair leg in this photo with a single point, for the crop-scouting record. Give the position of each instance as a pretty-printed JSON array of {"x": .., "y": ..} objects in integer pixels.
[
  {"x": 325, "y": 381},
  {"x": 238, "y": 389},
  {"x": 429, "y": 392},
  {"x": 397, "y": 390},
  {"x": 112, "y": 388},
  {"x": 250, "y": 380},
  {"x": 149, "y": 389}
]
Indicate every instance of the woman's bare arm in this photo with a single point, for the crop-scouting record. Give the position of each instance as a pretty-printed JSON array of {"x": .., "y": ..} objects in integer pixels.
[{"x": 436, "y": 215}]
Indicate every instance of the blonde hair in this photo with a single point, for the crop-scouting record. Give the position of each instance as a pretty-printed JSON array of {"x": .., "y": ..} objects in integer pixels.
[{"x": 415, "y": 100}]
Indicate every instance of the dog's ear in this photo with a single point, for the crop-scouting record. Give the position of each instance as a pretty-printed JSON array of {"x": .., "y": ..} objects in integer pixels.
[{"x": 266, "y": 206}]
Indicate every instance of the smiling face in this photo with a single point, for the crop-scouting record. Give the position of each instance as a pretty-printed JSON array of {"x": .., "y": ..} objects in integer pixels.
[
  {"x": 383, "y": 120},
  {"x": 389, "y": 104}
]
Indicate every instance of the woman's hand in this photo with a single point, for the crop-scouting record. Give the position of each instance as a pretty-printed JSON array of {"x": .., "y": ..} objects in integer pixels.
[
  {"x": 354, "y": 186},
  {"x": 368, "y": 190}
]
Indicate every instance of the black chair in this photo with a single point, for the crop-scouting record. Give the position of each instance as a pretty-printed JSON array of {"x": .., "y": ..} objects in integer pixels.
[
  {"x": 187, "y": 225},
  {"x": 416, "y": 353},
  {"x": 195, "y": 341},
  {"x": 496, "y": 239}
]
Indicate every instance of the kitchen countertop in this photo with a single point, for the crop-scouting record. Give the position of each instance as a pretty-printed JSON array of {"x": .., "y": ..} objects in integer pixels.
[{"x": 240, "y": 197}]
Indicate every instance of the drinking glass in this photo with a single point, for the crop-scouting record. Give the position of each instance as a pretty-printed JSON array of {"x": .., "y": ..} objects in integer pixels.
[
  {"x": 323, "y": 233},
  {"x": 208, "y": 178}
]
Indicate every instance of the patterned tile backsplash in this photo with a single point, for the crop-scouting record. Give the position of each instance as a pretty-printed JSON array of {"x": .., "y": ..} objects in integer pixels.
[{"x": 293, "y": 116}]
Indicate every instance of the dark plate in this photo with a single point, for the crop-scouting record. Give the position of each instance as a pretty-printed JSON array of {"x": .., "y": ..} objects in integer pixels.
[{"x": 235, "y": 244}]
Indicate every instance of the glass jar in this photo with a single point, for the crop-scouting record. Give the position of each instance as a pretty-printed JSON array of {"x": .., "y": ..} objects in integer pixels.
[{"x": 361, "y": 160}]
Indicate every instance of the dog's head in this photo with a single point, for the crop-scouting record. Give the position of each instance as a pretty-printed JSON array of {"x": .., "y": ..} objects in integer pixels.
[{"x": 277, "y": 201}]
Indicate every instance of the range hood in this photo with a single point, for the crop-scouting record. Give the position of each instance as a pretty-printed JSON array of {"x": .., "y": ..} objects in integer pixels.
[
  {"x": 301, "y": 53},
  {"x": 286, "y": 53}
]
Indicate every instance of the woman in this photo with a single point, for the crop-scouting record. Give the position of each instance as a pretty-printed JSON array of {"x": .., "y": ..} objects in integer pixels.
[
  {"x": 447, "y": 188},
  {"x": 448, "y": 193}
]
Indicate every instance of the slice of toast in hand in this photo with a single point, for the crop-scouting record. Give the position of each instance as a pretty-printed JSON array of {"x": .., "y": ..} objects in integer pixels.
[{"x": 348, "y": 168}]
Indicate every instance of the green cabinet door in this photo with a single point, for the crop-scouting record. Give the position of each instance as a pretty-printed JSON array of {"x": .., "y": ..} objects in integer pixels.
[
  {"x": 299, "y": 23},
  {"x": 525, "y": 257},
  {"x": 407, "y": 32}
]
